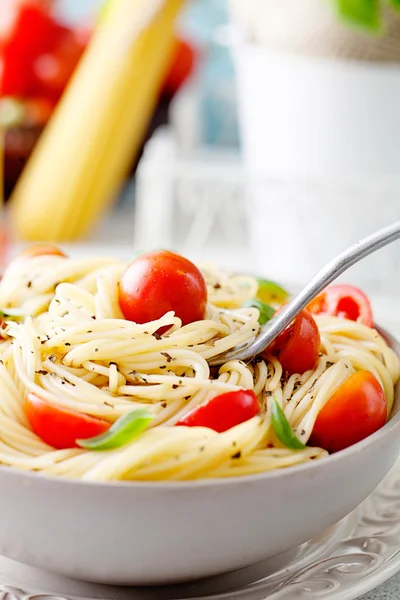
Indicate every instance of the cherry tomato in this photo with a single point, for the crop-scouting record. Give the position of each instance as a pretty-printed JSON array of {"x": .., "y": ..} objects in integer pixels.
[
  {"x": 344, "y": 301},
  {"x": 224, "y": 411},
  {"x": 357, "y": 409},
  {"x": 33, "y": 251},
  {"x": 38, "y": 110},
  {"x": 297, "y": 347},
  {"x": 39, "y": 250},
  {"x": 158, "y": 282},
  {"x": 182, "y": 65},
  {"x": 60, "y": 427},
  {"x": 26, "y": 30},
  {"x": 54, "y": 69}
]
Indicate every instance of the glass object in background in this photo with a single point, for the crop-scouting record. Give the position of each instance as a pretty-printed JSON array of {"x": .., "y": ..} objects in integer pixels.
[
  {"x": 205, "y": 113},
  {"x": 321, "y": 137}
]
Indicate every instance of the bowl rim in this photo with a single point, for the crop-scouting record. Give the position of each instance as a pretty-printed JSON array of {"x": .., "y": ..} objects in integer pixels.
[{"x": 197, "y": 484}]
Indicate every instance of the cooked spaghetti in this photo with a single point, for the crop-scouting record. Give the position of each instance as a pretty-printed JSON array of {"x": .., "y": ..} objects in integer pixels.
[{"x": 65, "y": 339}]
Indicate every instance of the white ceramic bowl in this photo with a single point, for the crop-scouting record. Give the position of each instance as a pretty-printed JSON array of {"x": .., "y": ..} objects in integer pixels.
[{"x": 156, "y": 533}]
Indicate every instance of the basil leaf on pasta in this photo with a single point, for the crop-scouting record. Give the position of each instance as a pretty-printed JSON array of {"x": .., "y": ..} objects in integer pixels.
[
  {"x": 12, "y": 313},
  {"x": 266, "y": 311},
  {"x": 123, "y": 431},
  {"x": 283, "y": 429},
  {"x": 269, "y": 291}
]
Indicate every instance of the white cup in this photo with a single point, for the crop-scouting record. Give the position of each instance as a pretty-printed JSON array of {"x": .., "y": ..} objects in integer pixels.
[{"x": 321, "y": 147}]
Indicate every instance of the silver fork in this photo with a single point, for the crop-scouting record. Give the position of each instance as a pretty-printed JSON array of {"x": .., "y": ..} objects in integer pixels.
[{"x": 270, "y": 331}]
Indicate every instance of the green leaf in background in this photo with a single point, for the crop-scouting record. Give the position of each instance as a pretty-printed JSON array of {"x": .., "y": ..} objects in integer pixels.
[
  {"x": 363, "y": 13},
  {"x": 269, "y": 291},
  {"x": 123, "y": 431},
  {"x": 266, "y": 311},
  {"x": 283, "y": 429},
  {"x": 395, "y": 4}
]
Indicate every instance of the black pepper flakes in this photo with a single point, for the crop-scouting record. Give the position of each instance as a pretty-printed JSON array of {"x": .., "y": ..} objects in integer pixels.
[
  {"x": 67, "y": 344},
  {"x": 175, "y": 386},
  {"x": 237, "y": 455},
  {"x": 167, "y": 356},
  {"x": 29, "y": 284},
  {"x": 187, "y": 397},
  {"x": 163, "y": 404},
  {"x": 156, "y": 335},
  {"x": 96, "y": 349}
]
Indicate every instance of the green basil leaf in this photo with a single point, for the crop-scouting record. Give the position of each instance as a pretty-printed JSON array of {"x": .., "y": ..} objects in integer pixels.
[
  {"x": 12, "y": 313},
  {"x": 266, "y": 311},
  {"x": 123, "y": 431},
  {"x": 362, "y": 13},
  {"x": 269, "y": 291},
  {"x": 283, "y": 429},
  {"x": 395, "y": 4}
]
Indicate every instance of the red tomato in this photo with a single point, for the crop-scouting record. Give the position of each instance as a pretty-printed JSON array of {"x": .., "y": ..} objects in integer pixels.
[
  {"x": 223, "y": 412},
  {"x": 39, "y": 250},
  {"x": 27, "y": 29},
  {"x": 54, "y": 69},
  {"x": 38, "y": 110},
  {"x": 60, "y": 427},
  {"x": 297, "y": 347},
  {"x": 36, "y": 250},
  {"x": 158, "y": 282},
  {"x": 182, "y": 65},
  {"x": 344, "y": 301},
  {"x": 357, "y": 409}
]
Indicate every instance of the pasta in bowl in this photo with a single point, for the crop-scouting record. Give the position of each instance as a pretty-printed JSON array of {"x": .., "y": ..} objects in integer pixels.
[{"x": 105, "y": 382}]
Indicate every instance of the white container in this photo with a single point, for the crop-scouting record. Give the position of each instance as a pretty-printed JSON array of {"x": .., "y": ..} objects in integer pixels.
[{"x": 321, "y": 147}]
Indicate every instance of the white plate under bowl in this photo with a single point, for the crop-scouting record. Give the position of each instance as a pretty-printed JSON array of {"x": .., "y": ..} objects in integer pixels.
[{"x": 352, "y": 558}]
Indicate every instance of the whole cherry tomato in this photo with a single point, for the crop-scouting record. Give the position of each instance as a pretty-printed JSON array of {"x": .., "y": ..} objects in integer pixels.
[
  {"x": 159, "y": 282},
  {"x": 297, "y": 347}
]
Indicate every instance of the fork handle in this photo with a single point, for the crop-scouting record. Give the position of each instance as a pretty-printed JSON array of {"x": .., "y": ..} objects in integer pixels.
[{"x": 324, "y": 277}]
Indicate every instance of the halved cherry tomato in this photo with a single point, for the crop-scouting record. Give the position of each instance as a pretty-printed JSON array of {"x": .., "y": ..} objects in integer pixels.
[
  {"x": 60, "y": 427},
  {"x": 224, "y": 411},
  {"x": 344, "y": 301},
  {"x": 158, "y": 282},
  {"x": 357, "y": 409},
  {"x": 297, "y": 347}
]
